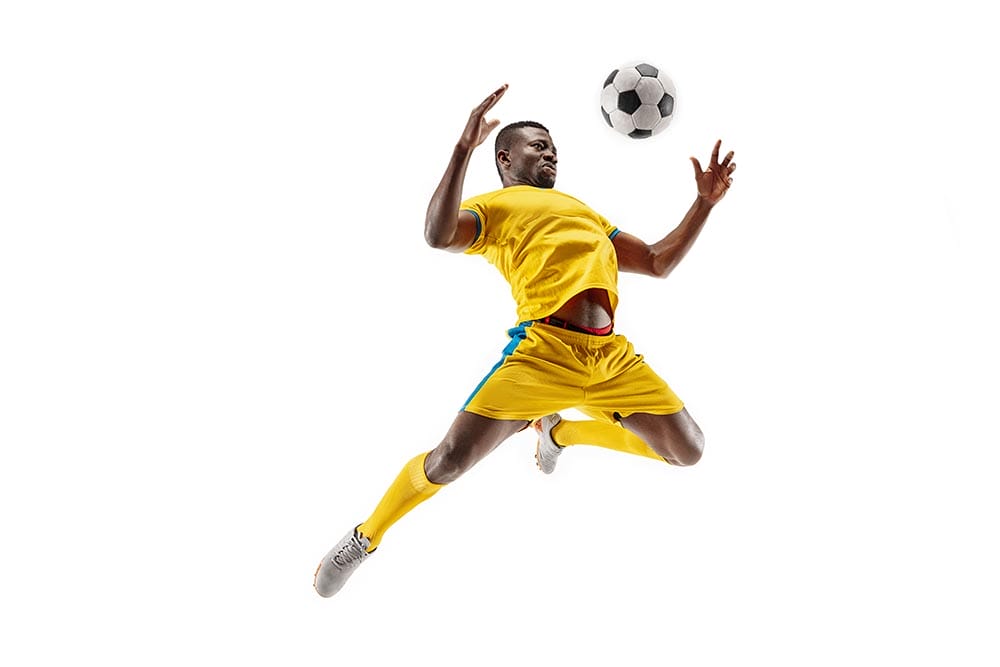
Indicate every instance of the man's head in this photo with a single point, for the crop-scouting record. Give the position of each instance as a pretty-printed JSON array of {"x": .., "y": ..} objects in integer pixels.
[{"x": 525, "y": 155}]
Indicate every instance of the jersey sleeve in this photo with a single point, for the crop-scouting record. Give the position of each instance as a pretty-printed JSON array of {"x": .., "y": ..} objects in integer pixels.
[
  {"x": 609, "y": 229},
  {"x": 476, "y": 206}
]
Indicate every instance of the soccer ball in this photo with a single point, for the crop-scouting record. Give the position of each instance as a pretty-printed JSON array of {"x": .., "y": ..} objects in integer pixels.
[{"x": 638, "y": 100}]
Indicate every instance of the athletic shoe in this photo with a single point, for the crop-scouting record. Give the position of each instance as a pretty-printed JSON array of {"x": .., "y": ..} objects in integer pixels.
[
  {"x": 340, "y": 563},
  {"x": 547, "y": 451}
]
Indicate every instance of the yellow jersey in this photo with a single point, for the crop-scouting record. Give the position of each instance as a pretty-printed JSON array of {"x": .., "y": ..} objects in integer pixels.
[{"x": 548, "y": 245}]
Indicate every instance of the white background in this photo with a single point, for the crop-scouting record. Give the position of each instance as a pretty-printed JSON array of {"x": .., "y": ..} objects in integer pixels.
[{"x": 223, "y": 336}]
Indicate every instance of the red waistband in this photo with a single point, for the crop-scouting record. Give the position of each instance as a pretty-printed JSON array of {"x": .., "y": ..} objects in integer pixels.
[{"x": 556, "y": 322}]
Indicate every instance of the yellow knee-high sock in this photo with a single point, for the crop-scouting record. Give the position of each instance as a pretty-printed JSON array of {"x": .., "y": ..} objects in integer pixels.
[
  {"x": 410, "y": 488},
  {"x": 602, "y": 434}
]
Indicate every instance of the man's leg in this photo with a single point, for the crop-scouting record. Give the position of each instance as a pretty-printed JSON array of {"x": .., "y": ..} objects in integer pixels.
[
  {"x": 470, "y": 438},
  {"x": 675, "y": 438}
]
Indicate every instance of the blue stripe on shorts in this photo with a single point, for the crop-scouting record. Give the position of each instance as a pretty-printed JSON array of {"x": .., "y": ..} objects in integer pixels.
[{"x": 517, "y": 334}]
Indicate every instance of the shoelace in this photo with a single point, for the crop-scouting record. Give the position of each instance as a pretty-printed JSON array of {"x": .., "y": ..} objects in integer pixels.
[{"x": 350, "y": 553}]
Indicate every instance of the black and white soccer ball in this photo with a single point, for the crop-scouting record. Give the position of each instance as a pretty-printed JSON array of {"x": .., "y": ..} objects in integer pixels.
[{"x": 638, "y": 100}]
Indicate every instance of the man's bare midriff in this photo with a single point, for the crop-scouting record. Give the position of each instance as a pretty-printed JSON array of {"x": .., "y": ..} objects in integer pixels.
[{"x": 590, "y": 308}]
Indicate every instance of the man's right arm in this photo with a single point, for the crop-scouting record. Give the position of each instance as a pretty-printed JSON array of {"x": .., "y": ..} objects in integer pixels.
[{"x": 445, "y": 226}]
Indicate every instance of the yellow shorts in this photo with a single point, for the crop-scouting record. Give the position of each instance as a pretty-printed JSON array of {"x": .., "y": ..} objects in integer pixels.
[{"x": 545, "y": 369}]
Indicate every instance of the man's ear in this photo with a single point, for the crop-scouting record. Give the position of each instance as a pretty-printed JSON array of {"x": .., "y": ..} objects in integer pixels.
[{"x": 503, "y": 157}]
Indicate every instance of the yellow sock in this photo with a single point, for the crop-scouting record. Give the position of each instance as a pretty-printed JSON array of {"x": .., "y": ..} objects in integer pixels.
[
  {"x": 410, "y": 488},
  {"x": 602, "y": 434}
]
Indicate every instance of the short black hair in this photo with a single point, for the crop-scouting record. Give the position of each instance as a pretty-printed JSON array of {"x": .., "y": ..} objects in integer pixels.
[{"x": 505, "y": 137}]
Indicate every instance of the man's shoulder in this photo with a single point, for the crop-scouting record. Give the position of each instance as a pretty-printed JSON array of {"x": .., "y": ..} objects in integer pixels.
[{"x": 480, "y": 199}]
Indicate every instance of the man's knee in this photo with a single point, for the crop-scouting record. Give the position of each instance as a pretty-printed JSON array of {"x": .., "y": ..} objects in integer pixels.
[
  {"x": 446, "y": 462},
  {"x": 687, "y": 451},
  {"x": 470, "y": 438},
  {"x": 675, "y": 437},
  {"x": 685, "y": 458}
]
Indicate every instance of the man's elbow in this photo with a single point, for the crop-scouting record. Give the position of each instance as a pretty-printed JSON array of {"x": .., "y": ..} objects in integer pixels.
[
  {"x": 435, "y": 238},
  {"x": 656, "y": 265},
  {"x": 661, "y": 272}
]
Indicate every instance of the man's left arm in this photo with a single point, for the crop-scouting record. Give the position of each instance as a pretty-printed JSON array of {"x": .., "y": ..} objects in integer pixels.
[{"x": 660, "y": 258}]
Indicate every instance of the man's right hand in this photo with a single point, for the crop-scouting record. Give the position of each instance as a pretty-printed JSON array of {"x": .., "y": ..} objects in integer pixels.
[
  {"x": 478, "y": 128},
  {"x": 445, "y": 226}
]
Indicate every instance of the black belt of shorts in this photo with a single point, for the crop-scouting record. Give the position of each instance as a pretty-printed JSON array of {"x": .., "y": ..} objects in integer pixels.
[{"x": 563, "y": 324}]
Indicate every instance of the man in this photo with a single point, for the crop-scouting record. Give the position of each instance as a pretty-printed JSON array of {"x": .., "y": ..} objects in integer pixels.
[{"x": 562, "y": 260}]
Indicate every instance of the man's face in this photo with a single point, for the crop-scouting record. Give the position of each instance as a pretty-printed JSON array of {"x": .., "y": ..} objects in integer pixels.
[{"x": 531, "y": 159}]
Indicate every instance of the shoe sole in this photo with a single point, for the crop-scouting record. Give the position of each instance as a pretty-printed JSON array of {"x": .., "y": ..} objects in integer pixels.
[{"x": 537, "y": 425}]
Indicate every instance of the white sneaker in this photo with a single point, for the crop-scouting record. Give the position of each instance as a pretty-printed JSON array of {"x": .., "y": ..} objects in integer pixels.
[
  {"x": 547, "y": 451},
  {"x": 340, "y": 562}
]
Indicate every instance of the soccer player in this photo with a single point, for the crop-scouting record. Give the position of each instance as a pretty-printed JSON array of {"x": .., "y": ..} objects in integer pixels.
[{"x": 562, "y": 260}]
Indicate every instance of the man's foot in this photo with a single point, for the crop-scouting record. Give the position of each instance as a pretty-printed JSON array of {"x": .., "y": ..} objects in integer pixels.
[
  {"x": 547, "y": 451},
  {"x": 340, "y": 563}
]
